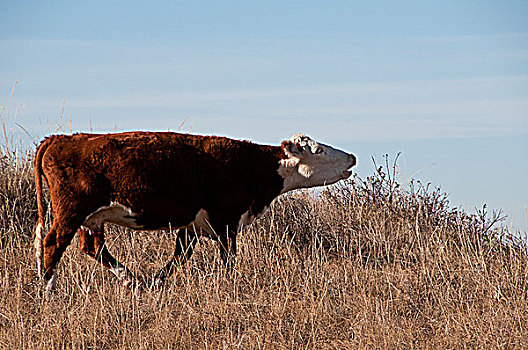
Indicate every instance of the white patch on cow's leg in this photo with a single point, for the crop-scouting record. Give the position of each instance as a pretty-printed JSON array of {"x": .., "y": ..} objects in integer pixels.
[
  {"x": 246, "y": 219},
  {"x": 123, "y": 274},
  {"x": 115, "y": 213},
  {"x": 51, "y": 283},
  {"x": 38, "y": 247}
]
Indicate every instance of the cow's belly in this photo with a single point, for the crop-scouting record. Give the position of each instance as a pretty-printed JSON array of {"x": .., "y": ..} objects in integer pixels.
[{"x": 121, "y": 215}]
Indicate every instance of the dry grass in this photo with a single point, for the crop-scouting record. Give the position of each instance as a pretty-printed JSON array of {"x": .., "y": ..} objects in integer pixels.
[{"x": 364, "y": 264}]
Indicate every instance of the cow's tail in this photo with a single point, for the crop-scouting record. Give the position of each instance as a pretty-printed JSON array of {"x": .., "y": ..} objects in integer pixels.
[{"x": 39, "y": 229}]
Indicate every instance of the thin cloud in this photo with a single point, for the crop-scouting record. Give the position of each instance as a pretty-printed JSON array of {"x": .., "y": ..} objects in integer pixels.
[{"x": 395, "y": 88}]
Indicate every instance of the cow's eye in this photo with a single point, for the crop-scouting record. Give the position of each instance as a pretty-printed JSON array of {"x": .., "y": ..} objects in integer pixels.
[{"x": 319, "y": 150}]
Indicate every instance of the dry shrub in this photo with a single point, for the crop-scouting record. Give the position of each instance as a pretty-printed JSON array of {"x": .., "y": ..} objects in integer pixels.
[{"x": 362, "y": 264}]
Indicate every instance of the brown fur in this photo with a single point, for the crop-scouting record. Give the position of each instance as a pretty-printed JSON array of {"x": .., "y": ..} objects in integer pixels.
[{"x": 165, "y": 178}]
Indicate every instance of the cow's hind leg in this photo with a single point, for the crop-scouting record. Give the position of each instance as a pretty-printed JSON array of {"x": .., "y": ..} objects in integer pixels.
[
  {"x": 92, "y": 243},
  {"x": 53, "y": 246},
  {"x": 185, "y": 242},
  {"x": 39, "y": 237}
]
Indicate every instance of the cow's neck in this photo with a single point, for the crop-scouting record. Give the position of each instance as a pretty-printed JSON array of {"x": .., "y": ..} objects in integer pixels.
[{"x": 268, "y": 183}]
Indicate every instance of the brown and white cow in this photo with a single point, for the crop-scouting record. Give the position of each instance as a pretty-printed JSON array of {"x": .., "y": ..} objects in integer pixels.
[{"x": 201, "y": 185}]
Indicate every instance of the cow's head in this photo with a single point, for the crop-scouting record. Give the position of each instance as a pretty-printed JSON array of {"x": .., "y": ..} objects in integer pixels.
[{"x": 310, "y": 163}]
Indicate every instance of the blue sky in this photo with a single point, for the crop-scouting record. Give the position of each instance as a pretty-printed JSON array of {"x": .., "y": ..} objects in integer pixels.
[{"x": 444, "y": 82}]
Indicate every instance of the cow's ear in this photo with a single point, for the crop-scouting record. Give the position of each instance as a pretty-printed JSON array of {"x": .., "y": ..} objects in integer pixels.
[{"x": 291, "y": 149}]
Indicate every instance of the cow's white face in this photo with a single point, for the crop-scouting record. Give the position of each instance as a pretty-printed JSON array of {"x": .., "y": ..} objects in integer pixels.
[{"x": 310, "y": 163}]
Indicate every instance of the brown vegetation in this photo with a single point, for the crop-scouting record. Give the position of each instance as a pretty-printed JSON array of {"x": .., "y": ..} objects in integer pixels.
[{"x": 363, "y": 264}]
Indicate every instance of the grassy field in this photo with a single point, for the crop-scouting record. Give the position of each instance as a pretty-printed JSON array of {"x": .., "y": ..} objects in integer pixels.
[{"x": 367, "y": 263}]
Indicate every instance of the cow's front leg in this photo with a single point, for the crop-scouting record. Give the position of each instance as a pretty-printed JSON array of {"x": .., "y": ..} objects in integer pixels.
[{"x": 185, "y": 242}]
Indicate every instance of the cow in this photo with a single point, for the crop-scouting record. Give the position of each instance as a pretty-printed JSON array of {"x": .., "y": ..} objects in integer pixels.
[{"x": 207, "y": 186}]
